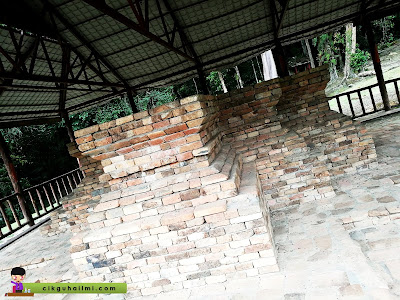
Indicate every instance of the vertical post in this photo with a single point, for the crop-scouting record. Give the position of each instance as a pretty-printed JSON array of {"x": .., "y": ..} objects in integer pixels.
[
  {"x": 203, "y": 82},
  {"x": 5, "y": 154},
  {"x": 310, "y": 56},
  {"x": 279, "y": 57},
  {"x": 377, "y": 64},
  {"x": 68, "y": 125},
  {"x": 131, "y": 101}
]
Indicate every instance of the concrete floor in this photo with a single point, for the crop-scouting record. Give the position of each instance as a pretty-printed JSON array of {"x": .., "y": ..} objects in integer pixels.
[{"x": 346, "y": 247}]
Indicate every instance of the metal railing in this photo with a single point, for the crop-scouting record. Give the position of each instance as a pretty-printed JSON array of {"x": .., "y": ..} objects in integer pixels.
[
  {"x": 362, "y": 102},
  {"x": 40, "y": 200}
]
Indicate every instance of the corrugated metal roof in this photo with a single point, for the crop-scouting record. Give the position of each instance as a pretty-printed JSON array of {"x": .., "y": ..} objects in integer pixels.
[{"x": 189, "y": 35}]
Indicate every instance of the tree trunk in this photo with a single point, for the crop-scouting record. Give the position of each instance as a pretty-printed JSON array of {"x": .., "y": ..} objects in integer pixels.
[
  {"x": 195, "y": 84},
  {"x": 310, "y": 56},
  {"x": 254, "y": 71},
  {"x": 258, "y": 65},
  {"x": 239, "y": 79},
  {"x": 269, "y": 67},
  {"x": 221, "y": 78},
  {"x": 350, "y": 49}
]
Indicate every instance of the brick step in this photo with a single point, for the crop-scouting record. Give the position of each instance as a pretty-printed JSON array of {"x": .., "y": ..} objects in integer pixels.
[
  {"x": 211, "y": 148},
  {"x": 225, "y": 168},
  {"x": 322, "y": 129}
]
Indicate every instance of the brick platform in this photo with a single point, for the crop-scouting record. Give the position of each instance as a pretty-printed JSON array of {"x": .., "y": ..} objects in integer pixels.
[{"x": 163, "y": 204}]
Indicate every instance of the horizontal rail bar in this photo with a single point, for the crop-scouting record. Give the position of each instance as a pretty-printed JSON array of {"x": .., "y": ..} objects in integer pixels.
[
  {"x": 50, "y": 180},
  {"x": 38, "y": 195},
  {"x": 357, "y": 92},
  {"x": 365, "y": 88}
]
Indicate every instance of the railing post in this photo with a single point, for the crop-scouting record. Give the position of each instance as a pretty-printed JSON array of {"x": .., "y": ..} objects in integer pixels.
[
  {"x": 14, "y": 179},
  {"x": 377, "y": 64},
  {"x": 3, "y": 213}
]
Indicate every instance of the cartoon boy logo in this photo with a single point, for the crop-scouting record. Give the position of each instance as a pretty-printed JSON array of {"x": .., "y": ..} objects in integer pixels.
[{"x": 17, "y": 274}]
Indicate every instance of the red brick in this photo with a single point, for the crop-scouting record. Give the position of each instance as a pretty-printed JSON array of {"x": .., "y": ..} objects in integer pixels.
[
  {"x": 118, "y": 145},
  {"x": 191, "y": 131},
  {"x": 86, "y": 131},
  {"x": 156, "y": 142},
  {"x": 184, "y": 156},
  {"x": 176, "y": 129},
  {"x": 103, "y": 142},
  {"x": 190, "y": 147},
  {"x": 140, "y": 146},
  {"x": 156, "y": 134},
  {"x": 142, "y": 130},
  {"x": 125, "y": 150},
  {"x": 177, "y": 143},
  {"x": 161, "y": 124},
  {"x": 84, "y": 139},
  {"x": 174, "y": 136},
  {"x": 137, "y": 140}
]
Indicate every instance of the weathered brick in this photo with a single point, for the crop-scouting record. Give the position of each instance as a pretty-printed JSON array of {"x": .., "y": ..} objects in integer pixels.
[
  {"x": 177, "y": 216},
  {"x": 210, "y": 208}
]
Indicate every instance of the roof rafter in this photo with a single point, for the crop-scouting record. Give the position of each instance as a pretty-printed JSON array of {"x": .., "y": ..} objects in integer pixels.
[
  {"x": 53, "y": 13},
  {"x": 189, "y": 45},
  {"x": 277, "y": 20},
  {"x": 107, "y": 10},
  {"x": 66, "y": 55},
  {"x": 55, "y": 79},
  {"x": 98, "y": 57}
]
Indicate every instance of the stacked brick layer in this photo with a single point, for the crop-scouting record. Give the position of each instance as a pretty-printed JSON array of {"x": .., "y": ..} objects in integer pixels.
[{"x": 173, "y": 217}]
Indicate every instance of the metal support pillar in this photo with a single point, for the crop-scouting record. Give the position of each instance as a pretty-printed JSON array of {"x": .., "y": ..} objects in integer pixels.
[
  {"x": 132, "y": 102},
  {"x": 279, "y": 57},
  {"x": 377, "y": 64},
  {"x": 203, "y": 82},
  {"x": 68, "y": 125},
  {"x": 5, "y": 154}
]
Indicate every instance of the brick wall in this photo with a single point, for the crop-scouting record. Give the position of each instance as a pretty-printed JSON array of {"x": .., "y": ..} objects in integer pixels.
[{"x": 180, "y": 195}]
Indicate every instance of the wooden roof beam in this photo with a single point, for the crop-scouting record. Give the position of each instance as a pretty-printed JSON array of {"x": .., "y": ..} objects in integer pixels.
[
  {"x": 107, "y": 10},
  {"x": 42, "y": 78},
  {"x": 97, "y": 55},
  {"x": 189, "y": 45}
]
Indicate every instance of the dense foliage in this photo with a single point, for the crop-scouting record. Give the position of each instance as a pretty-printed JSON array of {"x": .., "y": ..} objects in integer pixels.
[
  {"x": 38, "y": 153},
  {"x": 332, "y": 46}
]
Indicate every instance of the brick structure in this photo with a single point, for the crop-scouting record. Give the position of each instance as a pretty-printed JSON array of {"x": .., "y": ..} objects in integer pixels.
[{"x": 180, "y": 195}]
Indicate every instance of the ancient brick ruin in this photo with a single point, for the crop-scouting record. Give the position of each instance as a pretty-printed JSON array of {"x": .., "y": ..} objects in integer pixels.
[{"x": 180, "y": 195}]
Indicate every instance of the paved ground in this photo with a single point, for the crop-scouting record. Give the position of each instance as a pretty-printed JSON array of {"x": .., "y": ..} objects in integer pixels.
[{"x": 346, "y": 247}]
